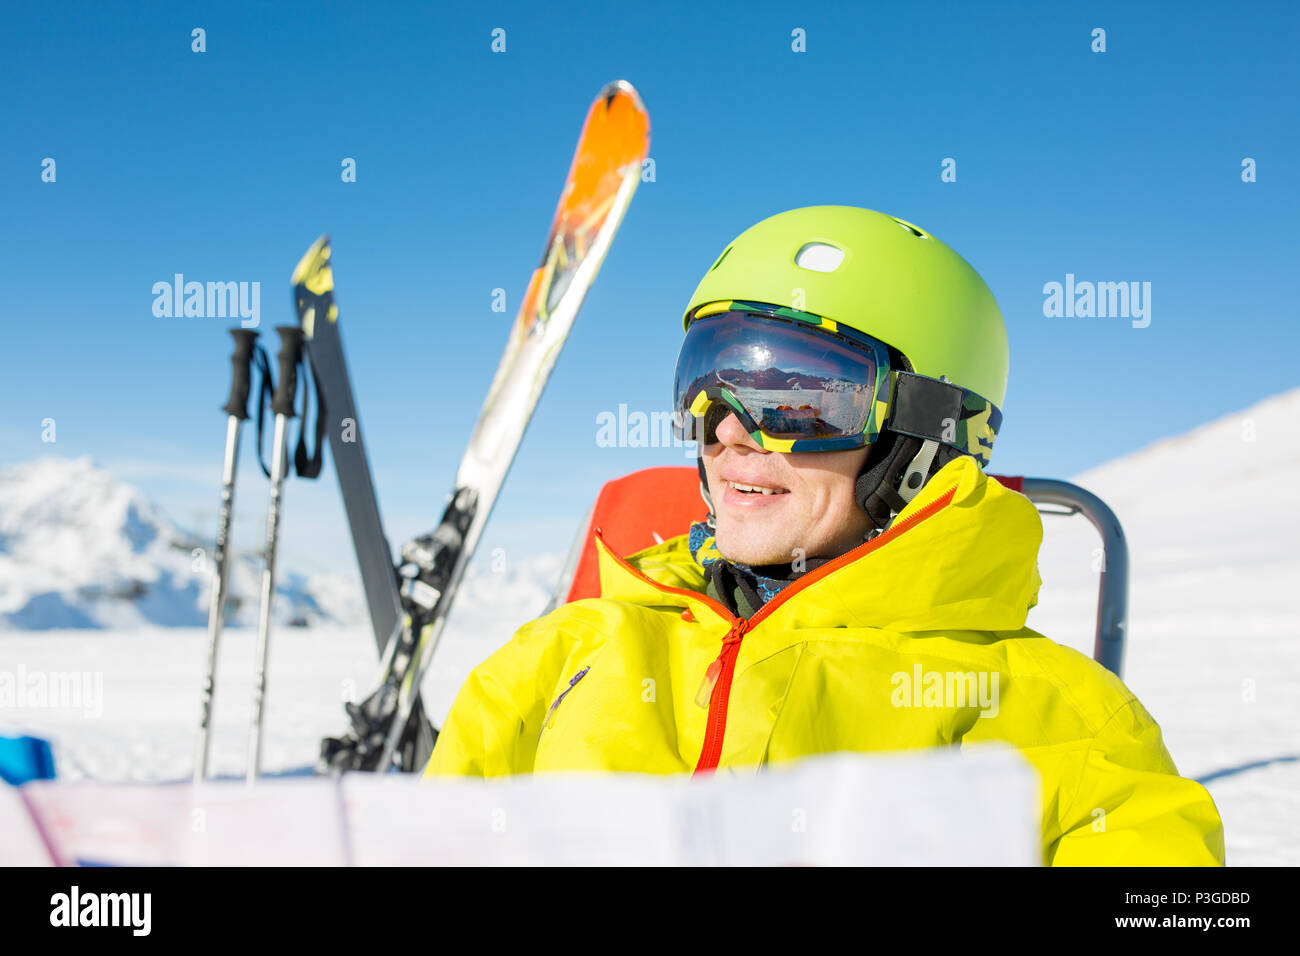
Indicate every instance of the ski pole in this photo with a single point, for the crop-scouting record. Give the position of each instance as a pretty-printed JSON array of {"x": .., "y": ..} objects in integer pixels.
[
  {"x": 236, "y": 409},
  {"x": 282, "y": 403}
]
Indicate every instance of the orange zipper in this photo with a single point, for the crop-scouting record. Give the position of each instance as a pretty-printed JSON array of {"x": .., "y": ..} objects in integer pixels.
[
  {"x": 715, "y": 693},
  {"x": 717, "y": 679}
]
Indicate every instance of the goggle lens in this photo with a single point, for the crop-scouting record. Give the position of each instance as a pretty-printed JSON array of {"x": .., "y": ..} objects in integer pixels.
[{"x": 792, "y": 380}]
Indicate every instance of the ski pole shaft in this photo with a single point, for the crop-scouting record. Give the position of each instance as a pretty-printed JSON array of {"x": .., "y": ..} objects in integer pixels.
[
  {"x": 236, "y": 409},
  {"x": 282, "y": 404}
]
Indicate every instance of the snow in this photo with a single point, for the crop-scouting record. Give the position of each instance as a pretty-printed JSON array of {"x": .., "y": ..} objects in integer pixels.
[
  {"x": 141, "y": 725},
  {"x": 1213, "y": 648}
]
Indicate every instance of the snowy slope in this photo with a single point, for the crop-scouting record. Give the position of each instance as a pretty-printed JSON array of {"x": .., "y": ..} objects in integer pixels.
[
  {"x": 1211, "y": 528},
  {"x": 79, "y": 548}
]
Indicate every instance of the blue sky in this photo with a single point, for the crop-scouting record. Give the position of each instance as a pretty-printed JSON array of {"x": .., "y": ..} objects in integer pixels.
[{"x": 1115, "y": 166}]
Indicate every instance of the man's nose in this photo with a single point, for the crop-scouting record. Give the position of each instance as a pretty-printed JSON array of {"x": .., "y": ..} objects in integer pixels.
[{"x": 731, "y": 432}]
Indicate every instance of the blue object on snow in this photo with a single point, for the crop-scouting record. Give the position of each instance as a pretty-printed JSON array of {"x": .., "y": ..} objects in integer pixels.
[{"x": 25, "y": 758}]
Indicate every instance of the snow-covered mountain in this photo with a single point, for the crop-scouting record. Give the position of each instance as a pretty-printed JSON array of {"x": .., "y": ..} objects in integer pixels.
[{"x": 80, "y": 549}]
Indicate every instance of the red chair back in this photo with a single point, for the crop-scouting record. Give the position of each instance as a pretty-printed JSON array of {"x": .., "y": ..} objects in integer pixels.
[{"x": 630, "y": 512}]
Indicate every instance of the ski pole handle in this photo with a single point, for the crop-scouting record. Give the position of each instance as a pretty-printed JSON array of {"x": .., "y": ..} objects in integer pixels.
[
  {"x": 286, "y": 388},
  {"x": 241, "y": 361}
]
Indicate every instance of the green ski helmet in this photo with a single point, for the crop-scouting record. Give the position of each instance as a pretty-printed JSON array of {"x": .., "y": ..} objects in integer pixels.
[{"x": 894, "y": 282}]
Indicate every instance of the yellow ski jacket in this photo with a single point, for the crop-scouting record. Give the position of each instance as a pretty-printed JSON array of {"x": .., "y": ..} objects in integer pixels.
[{"x": 914, "y": 639}]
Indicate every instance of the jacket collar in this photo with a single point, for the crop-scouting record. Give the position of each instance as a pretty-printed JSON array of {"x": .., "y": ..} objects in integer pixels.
[{"x": 961, "y": 555}]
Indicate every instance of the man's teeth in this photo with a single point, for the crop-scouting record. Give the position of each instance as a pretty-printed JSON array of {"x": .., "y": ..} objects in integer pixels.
[{"x": 758, "y": 488}]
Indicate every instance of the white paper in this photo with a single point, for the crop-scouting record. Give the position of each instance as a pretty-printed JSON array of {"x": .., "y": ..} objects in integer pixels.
[{"x": 977, "y": 806}]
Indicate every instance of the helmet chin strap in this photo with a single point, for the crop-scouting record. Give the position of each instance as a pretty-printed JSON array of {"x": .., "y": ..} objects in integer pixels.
[
  {"x": 895, "y": 472},
  {"x": 918, "y": 471},
  {"x": 711, "y": 521},
  {"x": 914, "y": 478}
]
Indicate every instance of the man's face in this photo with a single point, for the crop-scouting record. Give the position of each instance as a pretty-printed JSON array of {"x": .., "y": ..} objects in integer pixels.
[{"x": 811, "y": 512}]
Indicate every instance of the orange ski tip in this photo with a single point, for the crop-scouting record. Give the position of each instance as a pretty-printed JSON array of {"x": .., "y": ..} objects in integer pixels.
[
  {"x": 625, "y": 87},
  {"x": 617, "y": 118},
  {"x": 622, "y": 95},
  {"x": 614, "y": 140}
]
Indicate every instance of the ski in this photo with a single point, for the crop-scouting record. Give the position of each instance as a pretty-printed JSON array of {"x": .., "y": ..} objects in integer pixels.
[
  {"x": 602, "y": 178},
  {"x": 313, "y": 284},
  {"x": 318, "y": 314}
]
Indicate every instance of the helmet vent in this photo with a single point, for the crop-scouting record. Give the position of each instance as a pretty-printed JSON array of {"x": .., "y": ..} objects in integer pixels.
[
  {"x": 907, "y": 226},
  {"x": 819, "y": 257},
  {"x": 720, "y": 258}
]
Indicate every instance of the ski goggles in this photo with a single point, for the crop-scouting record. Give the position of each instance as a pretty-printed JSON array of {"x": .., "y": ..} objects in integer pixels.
[{"x": 796, "y": 381}]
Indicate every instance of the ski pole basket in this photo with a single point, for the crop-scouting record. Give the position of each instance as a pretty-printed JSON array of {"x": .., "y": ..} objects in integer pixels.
[{"x": 628, "y": 526}]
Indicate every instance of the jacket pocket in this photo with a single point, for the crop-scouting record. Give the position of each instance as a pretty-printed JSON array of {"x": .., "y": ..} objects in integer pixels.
[{"x": 555, "y": 705}]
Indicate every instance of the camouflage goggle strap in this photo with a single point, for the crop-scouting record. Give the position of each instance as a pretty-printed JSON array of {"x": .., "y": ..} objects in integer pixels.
[{"x": 953, "y": 416}]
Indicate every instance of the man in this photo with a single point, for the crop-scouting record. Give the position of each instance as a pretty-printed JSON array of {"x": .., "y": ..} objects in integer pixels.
[{"x": 860, "y": 584}]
